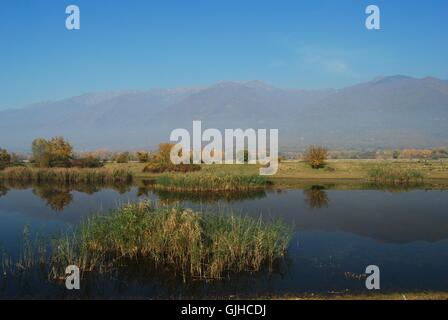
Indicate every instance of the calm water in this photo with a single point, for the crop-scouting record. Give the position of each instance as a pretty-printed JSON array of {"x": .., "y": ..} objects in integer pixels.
[{"x": 337, "y": 233}]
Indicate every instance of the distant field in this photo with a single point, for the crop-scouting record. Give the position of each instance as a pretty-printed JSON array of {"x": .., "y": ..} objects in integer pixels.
[{"x": 298, "y": 170}]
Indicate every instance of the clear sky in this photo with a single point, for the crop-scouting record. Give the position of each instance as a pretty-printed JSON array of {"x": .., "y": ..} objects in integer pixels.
[{"x": 136, "y": 44}]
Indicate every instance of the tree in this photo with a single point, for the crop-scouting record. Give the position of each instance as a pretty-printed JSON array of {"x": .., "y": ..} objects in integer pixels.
[
  {"x": 5, "y": 159},
  {"x": 61, "y": 152},
  {"x": 53, "y": 153},
  {"x": 41, "y": 152},
  {"x": 161, "y": 161},
  {"x": 143, "y": 156},
  {"x": 315, "y": 156},
  {"x": 122, "y": 158}
]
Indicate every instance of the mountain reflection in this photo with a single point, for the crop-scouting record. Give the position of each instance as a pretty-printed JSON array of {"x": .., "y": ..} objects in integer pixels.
[{"x": 377, "y": 213}]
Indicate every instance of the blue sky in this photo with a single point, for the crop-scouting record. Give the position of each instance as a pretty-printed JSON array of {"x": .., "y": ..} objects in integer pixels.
[{"x": 136, "y": 44}]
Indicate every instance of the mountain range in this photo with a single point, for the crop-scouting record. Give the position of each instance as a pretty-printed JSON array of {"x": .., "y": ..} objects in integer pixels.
[{"x": 387, "y": 112}]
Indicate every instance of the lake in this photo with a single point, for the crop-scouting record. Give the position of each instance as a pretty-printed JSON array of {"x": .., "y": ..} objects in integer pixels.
[{"x": 338, "y": 232}]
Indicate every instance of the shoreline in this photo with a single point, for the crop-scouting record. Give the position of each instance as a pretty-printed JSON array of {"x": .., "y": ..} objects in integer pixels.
[{"x": 418, "y": 295}]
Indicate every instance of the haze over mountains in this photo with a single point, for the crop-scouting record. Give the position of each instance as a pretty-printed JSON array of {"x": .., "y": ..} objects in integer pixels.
[{"x": 387, "y": 112}]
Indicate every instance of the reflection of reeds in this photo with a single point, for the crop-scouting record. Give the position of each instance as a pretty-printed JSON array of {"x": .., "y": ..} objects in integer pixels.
[
  {"x": 208, "y": 182},
  {"x": 316, "y": 197},
  {"x": 170, "y": 197},
  {"x": 64, "y": 175},
  {"x": 33, "y": 253}
]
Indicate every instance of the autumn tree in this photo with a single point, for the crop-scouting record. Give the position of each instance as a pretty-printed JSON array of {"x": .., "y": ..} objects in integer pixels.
[
  {"x": 315, "y": 156},
  {"x": 143, "y": 156},
  {"x": 61, "y": 152},
  {"x": 52, "y": 153},
  {"x": 164, "y": 155}
]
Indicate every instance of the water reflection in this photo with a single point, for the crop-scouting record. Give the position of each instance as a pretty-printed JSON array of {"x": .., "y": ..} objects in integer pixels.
[
  {"x": 170, "y": 198},
  {"x": 339, "y": 229},
  {"x": 316, "y": 197},
  {"x": 56, "y": 197},
  {"x": 59, "y": 196},
  {"x": 3, "y": 190},
  {"x": 397, "y": 217}
]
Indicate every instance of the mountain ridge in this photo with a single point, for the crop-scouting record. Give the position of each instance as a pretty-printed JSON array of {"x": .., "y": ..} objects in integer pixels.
[{"x": 393, "y": 111}]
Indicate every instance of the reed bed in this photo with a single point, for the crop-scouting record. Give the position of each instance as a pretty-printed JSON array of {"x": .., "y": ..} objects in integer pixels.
[
  {"x": 196, "y": 245},
  {"x": 210, "y": 182},
  {"x": 395, "y": 175},
  {"x": 66, "y": 175}
]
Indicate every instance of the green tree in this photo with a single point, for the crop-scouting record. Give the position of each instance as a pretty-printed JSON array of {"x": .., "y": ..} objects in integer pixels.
[
  {"x": 5, "y": 159},
  {"x": 41, "y": 152}
]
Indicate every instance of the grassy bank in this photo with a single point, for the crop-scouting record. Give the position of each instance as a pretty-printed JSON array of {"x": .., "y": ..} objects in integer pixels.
[
  {"x": 398, "y": 175},
  {"x": 66, "y": 175},
  {"x": 210, "y": 182},
  {"x": 196, "y": 245},
  {"x": 335, "y": 169},
  {"x": 289, "y": 173}
]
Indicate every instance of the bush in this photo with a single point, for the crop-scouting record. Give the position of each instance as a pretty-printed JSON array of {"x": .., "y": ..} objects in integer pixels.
[
  {"x": 122, "y": 158},
  {"x": 167, "y": 167},
  {"x": 87, "y": 162},
  {"x": 315, "y": 156},
  {"x": 161, "y": 162},
  {"x": 143, "y": 156}
]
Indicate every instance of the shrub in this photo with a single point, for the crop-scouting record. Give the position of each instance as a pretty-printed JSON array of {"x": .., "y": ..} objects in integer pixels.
[
  {"x": 315, "y": 156},
  {"x": 169, "y": 167},
  {"x": 143, "y": 156},
  {"x": 122, "y": 158},
  {"x": 87, "y": 162},
  {"x": 161, "y": 162}
]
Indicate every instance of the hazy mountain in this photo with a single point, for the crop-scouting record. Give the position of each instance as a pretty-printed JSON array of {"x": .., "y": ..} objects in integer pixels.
[{"x": 395, "y": 111}]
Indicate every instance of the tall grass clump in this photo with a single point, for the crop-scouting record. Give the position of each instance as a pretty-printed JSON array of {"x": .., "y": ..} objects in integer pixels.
[
  {"x": 395, "y": 175},
  {"x": 66, "y": 175},
  {"x": 210, "y": 182},
  {"x": 193, "y": 244}
]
